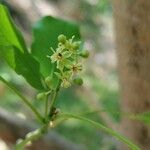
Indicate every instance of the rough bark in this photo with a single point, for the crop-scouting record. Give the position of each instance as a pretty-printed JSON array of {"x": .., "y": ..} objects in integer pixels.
[
  {"x": 13, "y": 128},
  {"x": 132, "y": 24}
]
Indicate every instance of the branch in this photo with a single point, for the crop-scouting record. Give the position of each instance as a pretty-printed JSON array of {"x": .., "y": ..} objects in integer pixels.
[{"x": 13, "y": 128}]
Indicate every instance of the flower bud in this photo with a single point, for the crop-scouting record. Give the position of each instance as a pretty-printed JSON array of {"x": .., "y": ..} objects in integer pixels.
[
  {"x": 78, "y": 81},
  {"x": 76, "y": 45},
  {"x": 29, "y": 134},
  {"x": 62, "y": 38},
  {"x": 51, "y": 124},
  {"x": 84, "y": 54},
  {"x": 19, "y": 141},
  {"x": 48, "y": 81},
  {"x": 41, "y": 95}
]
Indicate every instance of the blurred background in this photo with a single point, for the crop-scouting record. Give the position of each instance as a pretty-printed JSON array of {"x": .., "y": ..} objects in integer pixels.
[{"x": 100, "y": 89}]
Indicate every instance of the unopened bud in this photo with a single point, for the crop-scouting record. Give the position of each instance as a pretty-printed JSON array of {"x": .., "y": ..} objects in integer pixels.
[
  {"x": 19, "y": 141},
  {"x": 51, "y": 124},
  {"x": 41, "y": 95},
  {"x": 76, "y": 45},
  {"x": 48, "y": 81},
  {"x": 84, "y": 54},
  {"x": 78, "y": 81},
  {"x": 62, "y": 38}
]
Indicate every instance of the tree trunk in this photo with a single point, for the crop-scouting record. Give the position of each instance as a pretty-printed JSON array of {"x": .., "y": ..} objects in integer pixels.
[{"x": 132, "y": 24}]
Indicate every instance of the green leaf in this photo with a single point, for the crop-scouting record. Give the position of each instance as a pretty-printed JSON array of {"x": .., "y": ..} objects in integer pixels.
[
  {"x": 9, "y": 34},
  {"x": 45, "y": 33},
  {"x": 14, "y": 51},
  {"x": 24, "y": 64},
  {"x": 117, "y": 135}
]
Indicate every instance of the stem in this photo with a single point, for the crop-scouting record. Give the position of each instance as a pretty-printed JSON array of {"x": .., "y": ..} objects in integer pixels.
[
  {"x": 30, "y": 137},
  {"x": 104, "y": 128},
  {"x": 101, "y": 111},
  {"x": 125, "y": 114},
  {"x": 25, "y": 100},
  {"x": 53, "y": 100},
  {"x": 46, "y": 106}
]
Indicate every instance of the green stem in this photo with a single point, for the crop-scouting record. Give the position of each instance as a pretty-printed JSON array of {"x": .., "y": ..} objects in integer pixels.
[
  {"x": 102, "y": 110},
  {"x": 120, "y": 137},
  {"x": 54, "y": 95},
  {"x": 25, "y": 100},
  {"x": 30, "y": 137},
  {"x": 53, "y": 100},
  {"x": 46, "y": 106},
  {"x": 125, "y": 114}
]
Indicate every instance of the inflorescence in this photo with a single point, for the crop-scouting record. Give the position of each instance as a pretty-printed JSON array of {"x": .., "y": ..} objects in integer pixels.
[{"x": 67, "y": 57}]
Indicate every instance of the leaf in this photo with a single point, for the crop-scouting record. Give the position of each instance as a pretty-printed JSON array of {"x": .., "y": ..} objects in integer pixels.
[
  {"x": 9, "y": 34},
  {"x": 117, "y": 135},
  {"x": 45, "y": 33},
  {"x": 24, "y": 64},
  {"x": 14, "y": 51}
]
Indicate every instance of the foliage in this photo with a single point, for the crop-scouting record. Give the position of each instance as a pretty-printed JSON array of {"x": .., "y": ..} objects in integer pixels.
[
  {"x": 46, "y": 74},
  {"x": 45, "y": 33},
  {"x": 14, "y": 51}
]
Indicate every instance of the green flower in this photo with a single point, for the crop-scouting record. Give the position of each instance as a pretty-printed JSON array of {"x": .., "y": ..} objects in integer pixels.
[
  {"x": 72, "y": 46},
  {"x": 60, "y": 58},
  {"x": 65, "y": 83},
  {"x": 57, "y": 56},
  {"x": 75, "y": 67},
  {"x": 66, "y": 57},
  {"x": 66, "y": 79}
]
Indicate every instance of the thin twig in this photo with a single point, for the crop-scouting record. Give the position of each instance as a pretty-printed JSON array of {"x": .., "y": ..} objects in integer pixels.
[
  {"x": 25, "y": 100},
  {"x": 46, "y": 106},
  {"x": 30, "y": 137}
]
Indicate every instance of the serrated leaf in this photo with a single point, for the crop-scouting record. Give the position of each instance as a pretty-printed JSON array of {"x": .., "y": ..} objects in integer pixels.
[{"x": 45, "y": 33}]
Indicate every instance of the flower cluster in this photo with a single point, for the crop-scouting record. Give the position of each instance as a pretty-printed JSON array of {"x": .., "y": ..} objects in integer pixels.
[{"x": 66, "y": 57}]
